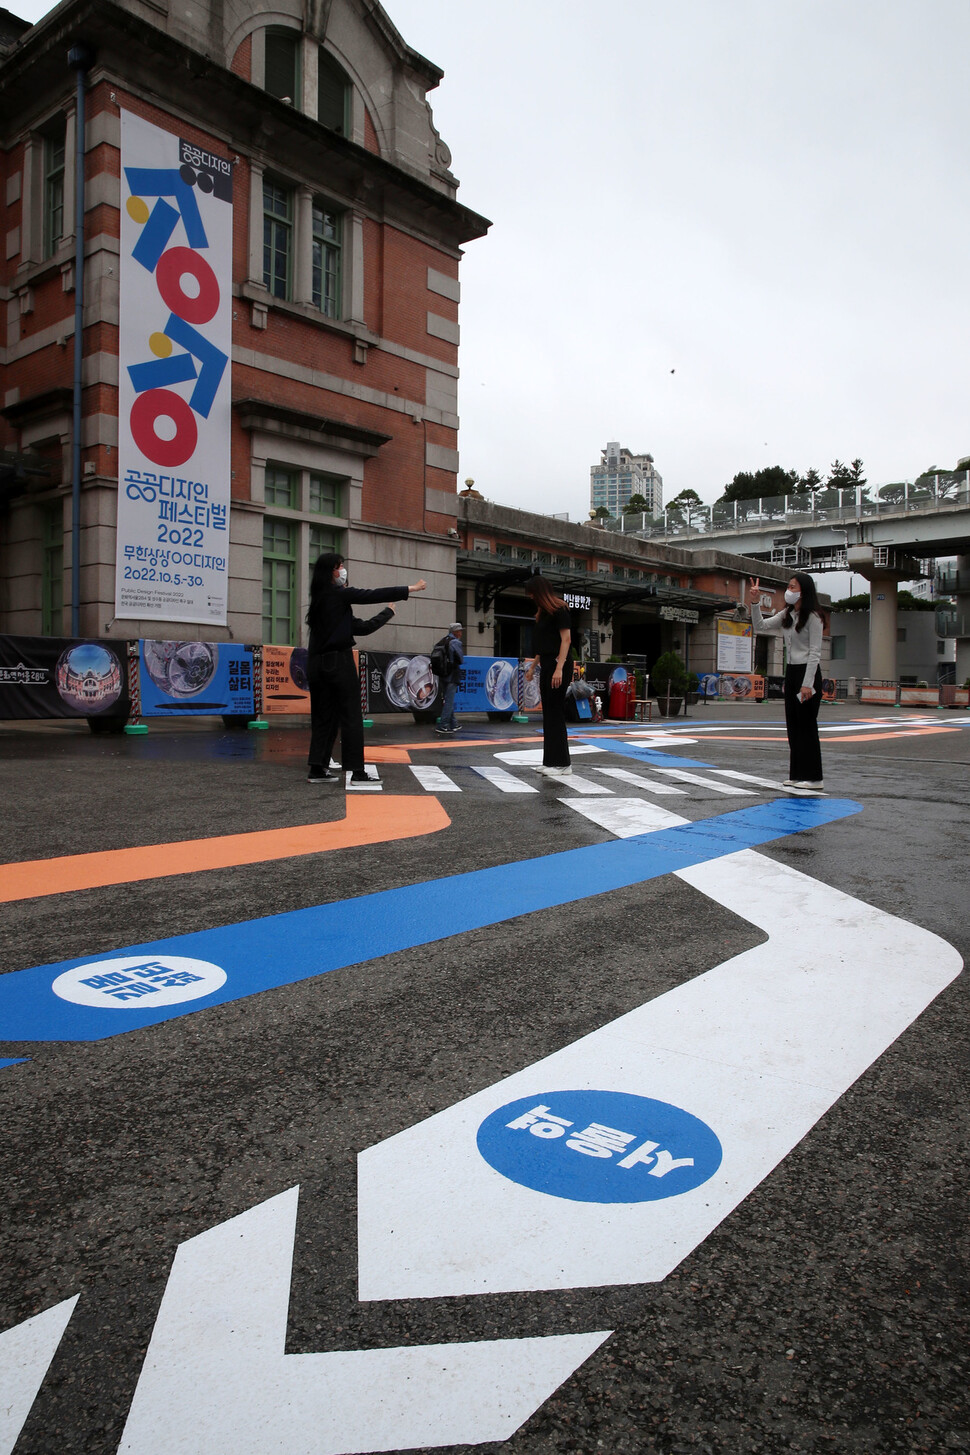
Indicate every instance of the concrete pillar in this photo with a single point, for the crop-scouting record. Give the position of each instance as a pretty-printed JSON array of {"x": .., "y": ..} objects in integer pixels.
[
  {"x": 882, "y": 626},
  {"x": 962, "y": 595}
]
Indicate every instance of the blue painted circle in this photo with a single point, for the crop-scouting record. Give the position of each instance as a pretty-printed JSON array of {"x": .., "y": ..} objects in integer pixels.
[{"x": 577, "y": 1146}]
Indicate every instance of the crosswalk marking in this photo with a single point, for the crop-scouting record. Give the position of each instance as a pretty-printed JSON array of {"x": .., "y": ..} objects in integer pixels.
[
  {"x": 685, "y": 777},
  {"x": 626, "y": 817},
  {"x": 749, "y": 778},
  {"x": 649, "y": 784},
  {"x": 585, "y": 785},
  {"x": 505, "y": 781},
  {"x": 434, "y": 780},
  {"x": 532, "y": 757}
]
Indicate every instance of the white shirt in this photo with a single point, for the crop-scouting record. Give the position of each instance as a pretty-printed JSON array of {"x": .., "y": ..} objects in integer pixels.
[{"x": 802, "y": 646}]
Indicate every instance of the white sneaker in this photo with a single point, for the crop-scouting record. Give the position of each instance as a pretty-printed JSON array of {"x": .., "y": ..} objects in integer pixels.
[
  {"x": 804, "y": 786},
  {"x": 555, "y": 772}
]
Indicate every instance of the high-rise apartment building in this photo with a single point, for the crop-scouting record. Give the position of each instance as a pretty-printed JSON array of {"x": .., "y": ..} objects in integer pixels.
[{"x": 620, "y": 475}]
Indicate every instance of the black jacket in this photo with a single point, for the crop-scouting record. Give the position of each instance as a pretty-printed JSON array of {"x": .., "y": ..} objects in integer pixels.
[{"x": 332, "y": 621}]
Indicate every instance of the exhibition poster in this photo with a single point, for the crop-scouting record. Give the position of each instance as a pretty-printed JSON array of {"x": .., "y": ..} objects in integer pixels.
[
  {"x": 174, "y": 344},
  {"x": 62, "y": 677},
  {"x": 735, "y": 646},
  {"x": 184, "y": 678}
]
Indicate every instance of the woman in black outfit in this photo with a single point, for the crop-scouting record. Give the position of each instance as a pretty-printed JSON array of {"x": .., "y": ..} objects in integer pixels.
[
  {"x": 552, "y": 639},
  {"x": 333, "y": 679}
]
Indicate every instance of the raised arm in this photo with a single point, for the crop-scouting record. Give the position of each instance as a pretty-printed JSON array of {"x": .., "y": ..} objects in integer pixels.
[{"x": 372, "y": 624}]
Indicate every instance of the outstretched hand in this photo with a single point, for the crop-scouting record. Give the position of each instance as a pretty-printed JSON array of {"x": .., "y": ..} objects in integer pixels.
[
  {"x": 754, "y": 590},
  {"x": 421, "y": 585}
]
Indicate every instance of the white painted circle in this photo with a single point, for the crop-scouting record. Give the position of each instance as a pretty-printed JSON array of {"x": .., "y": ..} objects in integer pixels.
[{"x": 139, "y": 982}]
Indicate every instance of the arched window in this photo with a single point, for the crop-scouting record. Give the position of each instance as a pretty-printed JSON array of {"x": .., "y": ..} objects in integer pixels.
[
  {"x": 282, "y": 65},
  {"x": 333, "y": 94}
]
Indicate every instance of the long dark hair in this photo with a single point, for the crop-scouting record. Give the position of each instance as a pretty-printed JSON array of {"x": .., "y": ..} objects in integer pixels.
[
  {"x": 543, "y": 595},
  {"x": 808, "y": 603},
  {"x": 322, "y": 579}
]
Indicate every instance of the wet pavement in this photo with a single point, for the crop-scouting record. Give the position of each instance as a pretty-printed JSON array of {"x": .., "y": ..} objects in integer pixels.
[{"x": 822, "y": 1308}]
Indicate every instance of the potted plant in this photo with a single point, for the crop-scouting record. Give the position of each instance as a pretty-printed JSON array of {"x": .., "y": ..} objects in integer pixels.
[{"x": 670, "y": 683}]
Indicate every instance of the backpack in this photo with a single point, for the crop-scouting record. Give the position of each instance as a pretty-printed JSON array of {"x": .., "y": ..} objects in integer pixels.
[{"x": 440, "y": 658}]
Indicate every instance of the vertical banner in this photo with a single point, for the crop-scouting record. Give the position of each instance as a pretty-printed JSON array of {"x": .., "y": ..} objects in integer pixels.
[{"x": 174, "y": 395}]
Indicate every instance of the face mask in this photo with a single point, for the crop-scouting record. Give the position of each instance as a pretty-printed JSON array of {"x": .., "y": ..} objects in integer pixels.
[
  {"x": 342, "y": 576},
  {"x": 793, "y": 597}
]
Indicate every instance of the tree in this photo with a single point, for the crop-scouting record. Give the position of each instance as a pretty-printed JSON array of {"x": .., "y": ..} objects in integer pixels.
[
  {"x": 636, "y": 505},
  {"x": 772, "y": 480},
  {"x": 855, "y": 470},
  {"x": 688, "y": 503},
  {"x": 601, "y": 513},
  {"x": 811, "y": 482}
]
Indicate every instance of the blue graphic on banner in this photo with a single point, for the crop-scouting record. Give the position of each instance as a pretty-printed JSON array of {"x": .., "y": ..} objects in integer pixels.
[
  {"x": 209, "y": 967},
  {"x": 599, "y": 1146},
  {"x": 488, "y": 684},
  {"x": 178, "y": 678}
]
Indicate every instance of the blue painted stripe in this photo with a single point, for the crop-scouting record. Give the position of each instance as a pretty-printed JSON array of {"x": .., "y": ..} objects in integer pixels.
[
  {"x": 653, "y": 755},
  {"x": 12, "y": 1061},
  {"x": 282, "y": 949}
]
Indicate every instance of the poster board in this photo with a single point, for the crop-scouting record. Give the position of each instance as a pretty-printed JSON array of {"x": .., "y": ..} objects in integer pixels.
[
  {"x": 63, "y": 677},
  {"x": 178, "y": 679},
  {"x": 735, "y": 646},
  {"x": 285, "y": 685}
]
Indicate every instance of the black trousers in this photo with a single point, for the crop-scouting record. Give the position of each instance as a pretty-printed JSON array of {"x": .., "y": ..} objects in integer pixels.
[
  {"x": 555, "y": 739},
  {"x": 335, "y": 706},
  {"x": 801, "y": 720}
]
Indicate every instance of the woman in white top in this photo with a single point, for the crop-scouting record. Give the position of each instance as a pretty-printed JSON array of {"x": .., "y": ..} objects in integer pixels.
[{"x": 801, "y": 626}]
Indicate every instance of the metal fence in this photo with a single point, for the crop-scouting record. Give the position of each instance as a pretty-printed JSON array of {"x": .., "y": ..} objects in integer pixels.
[{"x": 928, "y": 493}]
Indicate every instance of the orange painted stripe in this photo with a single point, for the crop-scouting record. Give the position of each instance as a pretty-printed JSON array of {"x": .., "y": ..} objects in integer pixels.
[{"x": 368, "y": 821}]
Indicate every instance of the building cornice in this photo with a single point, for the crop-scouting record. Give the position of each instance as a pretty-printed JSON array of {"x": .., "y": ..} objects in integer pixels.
[
  {"x": 269, "y": 418},
  {"x": 140, "y": 57}
]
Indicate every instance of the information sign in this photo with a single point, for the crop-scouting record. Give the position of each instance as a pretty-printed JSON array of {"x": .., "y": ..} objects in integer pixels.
[{"x": 734, "y": 646}]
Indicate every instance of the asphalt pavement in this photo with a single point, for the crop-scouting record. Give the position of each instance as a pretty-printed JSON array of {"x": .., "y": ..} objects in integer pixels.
[{"x": 763, "y": 983}]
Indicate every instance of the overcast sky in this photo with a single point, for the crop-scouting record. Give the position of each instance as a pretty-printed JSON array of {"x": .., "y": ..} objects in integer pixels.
[{"x": 729, "y": 232}]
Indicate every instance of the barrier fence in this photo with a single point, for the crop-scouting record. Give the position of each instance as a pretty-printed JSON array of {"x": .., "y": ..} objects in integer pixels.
[{"x": 111, "y": 683}]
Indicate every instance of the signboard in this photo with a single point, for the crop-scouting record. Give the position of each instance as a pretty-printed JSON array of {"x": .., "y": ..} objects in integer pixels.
[
  {"x": 62, "y": 677},
  {"x": 399, "y": 682},
  {"x": 577, "y": 603},
  {"x": 404, "y": 682},
  {"x": 172, "y": 560},
  {"x": 285, "y": 686},
  {"x": 179, "y": 678},
  {"x": 679, "y": 613},
  {"x": 734, "y": 646},
  {"x": 741, "y": 685},
  {"x": 492, "y": 684}
]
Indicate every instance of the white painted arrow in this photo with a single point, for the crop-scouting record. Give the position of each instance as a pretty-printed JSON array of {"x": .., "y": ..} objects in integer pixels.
[
  {"x": 26, "y": 1352},
  {"x": 758, "y": 1048},
  {"x": 216, "y": 1378}
]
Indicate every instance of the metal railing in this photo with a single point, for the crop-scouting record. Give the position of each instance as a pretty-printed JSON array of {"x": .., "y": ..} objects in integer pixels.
[{"x": 945, "y": 491}]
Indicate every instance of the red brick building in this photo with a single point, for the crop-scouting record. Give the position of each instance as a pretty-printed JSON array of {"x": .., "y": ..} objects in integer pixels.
[{"x": 347, "y": 239}]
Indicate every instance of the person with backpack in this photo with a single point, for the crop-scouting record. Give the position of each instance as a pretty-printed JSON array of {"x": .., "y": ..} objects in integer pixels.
[{"x": 447, "y": 657}]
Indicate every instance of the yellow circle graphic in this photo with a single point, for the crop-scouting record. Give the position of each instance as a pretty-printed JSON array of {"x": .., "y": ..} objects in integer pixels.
[
  {"x": 160, "y": 345},
  {"x": 137, "y": 209}
]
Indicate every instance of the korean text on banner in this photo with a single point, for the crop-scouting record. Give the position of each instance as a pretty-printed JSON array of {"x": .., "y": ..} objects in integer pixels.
[
  {"x": 734, "y": 646},
  {"x": 174, "y": 390}
]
